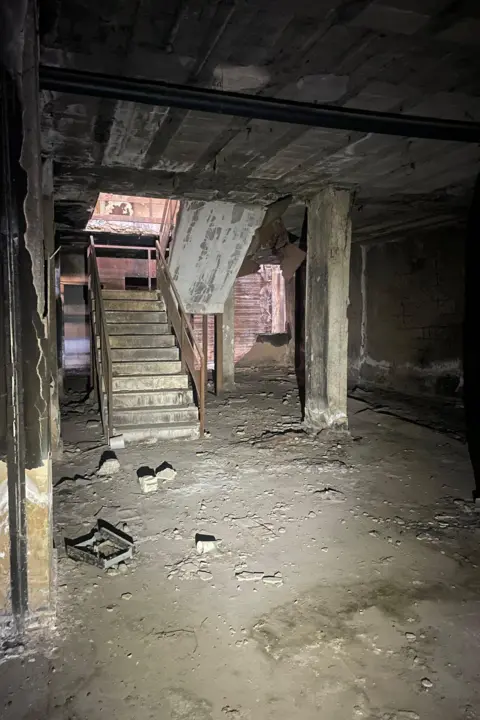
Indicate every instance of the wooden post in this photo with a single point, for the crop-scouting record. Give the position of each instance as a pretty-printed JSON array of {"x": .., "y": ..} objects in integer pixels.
[
  {"x": 219, "y": 354},
  {"x": 205, "y": 350}
]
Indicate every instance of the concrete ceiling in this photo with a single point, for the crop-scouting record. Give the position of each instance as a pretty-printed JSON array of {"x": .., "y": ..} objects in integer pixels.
[{"x": 388, "y": 55}]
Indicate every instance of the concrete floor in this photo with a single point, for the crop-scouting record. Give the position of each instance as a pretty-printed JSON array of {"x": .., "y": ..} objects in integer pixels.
[{"x": 378, "y": 613}]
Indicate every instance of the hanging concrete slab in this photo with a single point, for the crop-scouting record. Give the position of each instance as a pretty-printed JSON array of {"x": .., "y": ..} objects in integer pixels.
[{"x": 211, "y": 241}]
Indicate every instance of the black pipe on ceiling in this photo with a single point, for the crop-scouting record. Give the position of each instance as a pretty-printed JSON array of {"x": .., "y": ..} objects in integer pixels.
[{"x": 162, "y": 94}]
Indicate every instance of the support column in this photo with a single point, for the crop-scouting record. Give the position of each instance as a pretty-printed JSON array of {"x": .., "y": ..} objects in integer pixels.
[
  {"x": 229, "y": 341},
  {"x": 25, "y": 473},
  {"x": 326, "y": 325},
  {"x": 471, "y": 354}
]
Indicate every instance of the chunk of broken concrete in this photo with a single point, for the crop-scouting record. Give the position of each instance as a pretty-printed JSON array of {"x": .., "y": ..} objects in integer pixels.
[
  {"x": 275, "y": 579},
  {"x": 247, "y": 576},
  {"x": 205, "y": 543},
  {"x": 148, "y": 483},
  {"x": 109, "y": 464},
  {"x": 165, "y": 472}
]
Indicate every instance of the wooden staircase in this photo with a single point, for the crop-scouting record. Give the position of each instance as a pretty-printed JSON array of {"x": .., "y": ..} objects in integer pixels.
[{"x": 146, "y": 388}]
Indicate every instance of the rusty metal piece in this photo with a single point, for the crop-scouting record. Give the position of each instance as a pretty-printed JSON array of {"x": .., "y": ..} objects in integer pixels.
[{"x": 105, "y": 546}]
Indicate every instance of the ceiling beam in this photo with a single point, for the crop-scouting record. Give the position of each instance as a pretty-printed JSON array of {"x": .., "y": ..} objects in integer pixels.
[{"x": 250, "y": 106}]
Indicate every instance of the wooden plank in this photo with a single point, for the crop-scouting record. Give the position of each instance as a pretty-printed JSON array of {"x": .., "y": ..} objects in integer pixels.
[
  {"x": 205, "y": 350},
  {"x": 219, "y": 385}
]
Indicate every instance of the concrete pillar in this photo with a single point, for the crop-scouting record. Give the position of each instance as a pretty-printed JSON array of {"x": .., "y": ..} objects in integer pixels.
[
  {"x": 25, "y": 470},
  {"x": 326, "y": 326},
  {"x": 229, "y": 341},
  {"x": 471, "y": 354}
]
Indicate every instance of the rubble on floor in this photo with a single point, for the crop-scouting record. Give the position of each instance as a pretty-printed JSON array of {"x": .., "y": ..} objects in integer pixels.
[{"x": 345, "y": 585}]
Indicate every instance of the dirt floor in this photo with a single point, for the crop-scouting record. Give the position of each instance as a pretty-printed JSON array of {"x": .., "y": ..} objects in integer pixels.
[{"x": 345, "y": 584}]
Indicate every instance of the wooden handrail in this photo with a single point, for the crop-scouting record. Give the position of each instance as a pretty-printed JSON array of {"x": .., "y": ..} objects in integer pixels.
[
  {"x": 105, "y": 372},
  {"x": 178, "y": 318},
  {"x": 124, "y": 247}
]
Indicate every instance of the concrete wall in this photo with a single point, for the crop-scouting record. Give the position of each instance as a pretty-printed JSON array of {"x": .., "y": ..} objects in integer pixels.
[
  {"x": 211, "y": 241},
  {"x": 406, "y": 314}
]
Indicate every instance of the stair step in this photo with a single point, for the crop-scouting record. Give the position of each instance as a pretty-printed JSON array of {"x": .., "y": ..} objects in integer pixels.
[
  {"x": 139, "y": 329},
  {"x": 141, "y": 341},
  {"x": 134, "y": 305},
  {"x": 155, "y": 415},
  {"x": 144, "y": 354},
  {"x": 134, "y": 316},
  {"x": 130, "y": 294},
  {"x": 180, "y": 431},
  {"x": 161, "y": 367},
  {"x": 145, "y": 383},
  {"x": 152, "y": 398}
]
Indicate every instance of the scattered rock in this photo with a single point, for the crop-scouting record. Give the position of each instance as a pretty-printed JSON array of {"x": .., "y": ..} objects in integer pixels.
[
  {"x": 165, "y": 472},
  {"x": 205, "y": 575},
  {"x": 148, "y": 483},
  {"x": 411, "y": 637},
  {"x": 109, "y": 465},
  {"x": 206, "y": 546}
]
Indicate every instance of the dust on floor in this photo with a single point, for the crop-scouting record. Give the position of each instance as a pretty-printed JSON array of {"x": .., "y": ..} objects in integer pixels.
[{"x": 345, "y": 583}]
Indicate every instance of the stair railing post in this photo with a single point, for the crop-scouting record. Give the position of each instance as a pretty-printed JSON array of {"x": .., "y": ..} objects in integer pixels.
[{"x": 182, "y": 342}]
